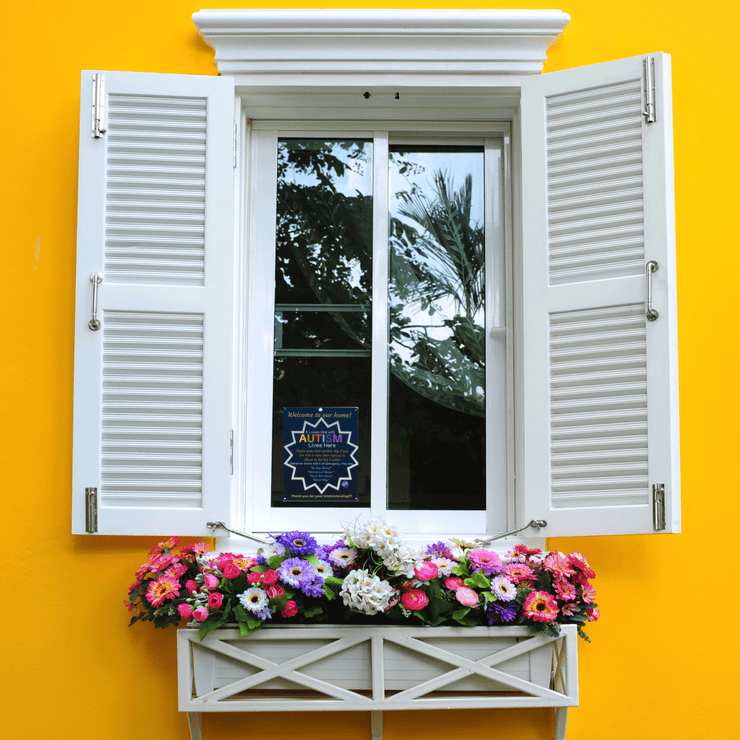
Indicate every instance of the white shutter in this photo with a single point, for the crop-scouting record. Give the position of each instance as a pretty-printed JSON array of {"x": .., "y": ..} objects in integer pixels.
[
  {"x": 152, "y": 399},
  {"x": 600, "y": 382}
]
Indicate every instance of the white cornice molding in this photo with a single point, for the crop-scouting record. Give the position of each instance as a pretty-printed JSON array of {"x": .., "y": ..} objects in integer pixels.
[{"x": 348, "y": 47}]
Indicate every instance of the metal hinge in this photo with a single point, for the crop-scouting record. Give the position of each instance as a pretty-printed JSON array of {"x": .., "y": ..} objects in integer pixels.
[
  {"x": 235, "y": 140},
  {"x": 98, "y": 105},
  {"x": 648, "y": 65},
  {"x": 658, "y": 507},
  {"x": 91, "y": 510},
  {"x": 231, "y": 455}
]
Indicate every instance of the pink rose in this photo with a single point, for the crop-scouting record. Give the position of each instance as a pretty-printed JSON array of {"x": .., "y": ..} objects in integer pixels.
[
  {"x": 466, "y": 596},
  {"x": 186, "y": 611},
  {"x": 215, "y": 600},
  {"x": 269, "y": 577},
  {"x": 254, "y": 577},
  {"x": 210, "y": 581},
  {"x": 191, "y": 587},
  {"x": 230, "y": 571},
  {"x": 414, "y": 599},
  {"x": 274, "y": 591},
  {"x": 223, "y": 561},
  {"x": 200, "y": 613},
  {"x": 290, "y": 610},
  {"x": 454, "y": 583},
  {"x": 426, "y": 570}
]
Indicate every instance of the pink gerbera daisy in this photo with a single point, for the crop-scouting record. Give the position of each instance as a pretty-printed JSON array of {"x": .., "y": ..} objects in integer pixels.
[
  {"x": 576, "y": 559},
  {"x": 568, "y": 610},
  {"x": 191, "y": 552},
  {"x": 558, "y": 565},
  {"x": 169, "y": 544},
  {"x": 160, "y": 562},
  {"x": 244, "y": 562},
  {"x": 176, "y": 570},
  {"x": 588, "y": 593},
  {"x": 526, "y": 551},
  {"x": 518, "y": 572},
  {"x": 485, "y": 560},
  {"x": 161, "y": 589},
  {"x": 540, "y": 606},
  {"x": 565, "y": 590}
]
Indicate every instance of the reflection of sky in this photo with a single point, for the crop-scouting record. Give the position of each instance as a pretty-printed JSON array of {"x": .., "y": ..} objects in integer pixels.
[{"x": 456, "y": 165}]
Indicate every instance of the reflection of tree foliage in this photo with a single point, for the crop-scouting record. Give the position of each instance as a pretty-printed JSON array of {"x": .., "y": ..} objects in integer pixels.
[
  {"x": 324, "y": 236},
  {"x": 442, "y": 261}
]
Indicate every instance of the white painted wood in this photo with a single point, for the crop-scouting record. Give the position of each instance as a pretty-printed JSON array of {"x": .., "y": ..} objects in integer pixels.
[
  {"x": 350, "y": 668},
  {"x": 599, "y": 397},
  {"x": 333, "y": 48},
  {"x": 152, "y": 402}
]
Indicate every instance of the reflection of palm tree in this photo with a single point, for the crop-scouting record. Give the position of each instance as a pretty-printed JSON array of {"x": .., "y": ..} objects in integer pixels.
[
  {"x": 452, "y": 245},
  {"x": 443, "y": 263}
]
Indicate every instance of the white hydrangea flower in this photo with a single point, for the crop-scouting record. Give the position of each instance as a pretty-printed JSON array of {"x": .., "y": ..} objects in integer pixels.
[{"x": 366, "y": 593}]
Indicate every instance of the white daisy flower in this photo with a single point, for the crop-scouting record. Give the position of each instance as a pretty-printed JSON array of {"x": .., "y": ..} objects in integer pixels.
[{"x": 254, "y": 599}]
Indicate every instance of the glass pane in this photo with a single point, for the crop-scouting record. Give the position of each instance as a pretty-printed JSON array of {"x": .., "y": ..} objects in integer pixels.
[
  {"x": 437, "y": 329},
  {"x": 323, "y": 284}
]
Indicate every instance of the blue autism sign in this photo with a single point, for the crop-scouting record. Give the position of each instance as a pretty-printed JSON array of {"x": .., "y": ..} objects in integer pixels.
[{"x": 320, "y": 454}]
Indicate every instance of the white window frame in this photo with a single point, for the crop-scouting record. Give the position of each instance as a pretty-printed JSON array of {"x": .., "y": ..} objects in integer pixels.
[
  {"x": 391, "y": 65},
  {"x": 256, "y": 372}
]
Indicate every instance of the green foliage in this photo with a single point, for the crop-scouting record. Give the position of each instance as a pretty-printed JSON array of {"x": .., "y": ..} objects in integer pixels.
[{"x": 478, "y": 580}]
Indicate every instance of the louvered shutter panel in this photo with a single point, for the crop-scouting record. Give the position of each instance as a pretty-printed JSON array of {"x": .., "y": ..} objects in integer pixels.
[
  {"x": 600, "y": 381},
  {"x": 152, "y": 403}
]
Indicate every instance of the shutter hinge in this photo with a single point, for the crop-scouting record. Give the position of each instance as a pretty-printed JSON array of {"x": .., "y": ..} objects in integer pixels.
[
  {"x": 91, "y": 510},
  {"x": 231, "y": 453},
  {"x": 658, "y": 507},
  {"x": 98, "y": 105},
  {"x": 648, "y": 64},
  {"x": 235, "y": 140}
]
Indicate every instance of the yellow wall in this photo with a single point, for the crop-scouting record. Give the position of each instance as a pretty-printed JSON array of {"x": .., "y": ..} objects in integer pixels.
[{"x": 72, "y": 668}]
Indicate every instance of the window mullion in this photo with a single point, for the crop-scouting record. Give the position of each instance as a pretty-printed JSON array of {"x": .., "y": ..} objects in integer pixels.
[{"x": 379, "y": 360}]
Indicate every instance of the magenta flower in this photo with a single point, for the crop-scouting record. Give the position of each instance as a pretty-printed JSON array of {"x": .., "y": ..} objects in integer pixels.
[
  {"x": 540, "y": 606},
  {"x": 414, "y": 599},
  {"x": 254, "y": 577},
  {"x": 564, "y": 589},
  {"x": 215, "y": 600},
  {"x": 592, "y": 614},
  {"x": 576, "y": 559},
  {"x": 200, "y": 613},
  {"x": 588, "y": 593},
  {"x": 210, "y": 581},
  {"x": 466, "y": 596},
  {"x": 485, "y": 561},
  {"x": 274, "y": 591},
  {"x": 518, "y": 572},
  {"x": 191, "y": 587},
  {"x": 269, "y": 577},
  {"x": 231, "y": 571},
  {"x": 185, "y": 610},
  {"x": 454, "y": 583},
  {"x": 162, "y": 589},
  {"x": 558, "y": 565},
  {"x": 426, "y": 570},
  {"x": 290, "y": 609}
]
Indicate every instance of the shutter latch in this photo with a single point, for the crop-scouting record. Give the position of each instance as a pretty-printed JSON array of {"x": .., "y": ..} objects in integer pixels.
[
  {"x": 231, "y": 452},
  {"x": 91, "y": 510},
  {"x": 658, "y": 507},
  {"x": 98, "y": 105},
  {"x": 648, "y": 64}
]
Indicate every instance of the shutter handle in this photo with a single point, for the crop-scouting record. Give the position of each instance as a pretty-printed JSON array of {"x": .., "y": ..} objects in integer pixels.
[
  {"x": 650, "y": 268},
  {"x": 96, "y": 278}
]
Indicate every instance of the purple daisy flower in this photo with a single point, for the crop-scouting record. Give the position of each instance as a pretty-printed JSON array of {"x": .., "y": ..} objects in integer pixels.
[
  {"x": 314, "y": 588},
  {"x": 439, "y": 550},
  {"x": 500, "y": 613},
  {"x": 297, "y": 572},
  {"x": 299, "y": 543}
]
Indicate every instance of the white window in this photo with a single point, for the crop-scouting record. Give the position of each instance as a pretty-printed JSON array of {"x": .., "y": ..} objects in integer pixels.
[{"x": 218, "y": 296}]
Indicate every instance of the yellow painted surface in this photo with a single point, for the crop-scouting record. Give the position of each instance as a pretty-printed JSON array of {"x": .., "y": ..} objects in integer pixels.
[{"x": 663, "y": 659}]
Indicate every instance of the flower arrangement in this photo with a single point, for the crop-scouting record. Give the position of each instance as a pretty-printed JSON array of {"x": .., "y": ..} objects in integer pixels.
[{"x": 370, "y": 574}]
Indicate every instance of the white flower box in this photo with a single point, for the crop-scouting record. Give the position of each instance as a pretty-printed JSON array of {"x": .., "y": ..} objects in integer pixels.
[{"x": 375, "y": 668}]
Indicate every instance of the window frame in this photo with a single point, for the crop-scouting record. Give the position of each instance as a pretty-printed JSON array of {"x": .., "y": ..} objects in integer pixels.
[{"x": 252, "y": 374}]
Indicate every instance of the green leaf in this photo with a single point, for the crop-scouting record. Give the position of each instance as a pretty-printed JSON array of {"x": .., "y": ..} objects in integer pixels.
[
  {"x": 313, "y": 611},
  {"x": 313, "y": 559},
  {"x": 274, "y": 561},
  {"x": 243, "y": 629},
  {"x": 334, "y": 581},
  {"x": 211, "y": 622},
  {"x": 254, "y": 624},
  {"x": 330, "y": 595},
  {"x": 241, "y": 613},
  {"x": 478, "y": 580},
  {"x": 460, "y": 613},
  {"x": 488, "y": 596}
]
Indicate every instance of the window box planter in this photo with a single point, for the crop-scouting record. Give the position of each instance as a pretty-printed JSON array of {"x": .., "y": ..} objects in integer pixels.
[{"x": 375, "y": 668}]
